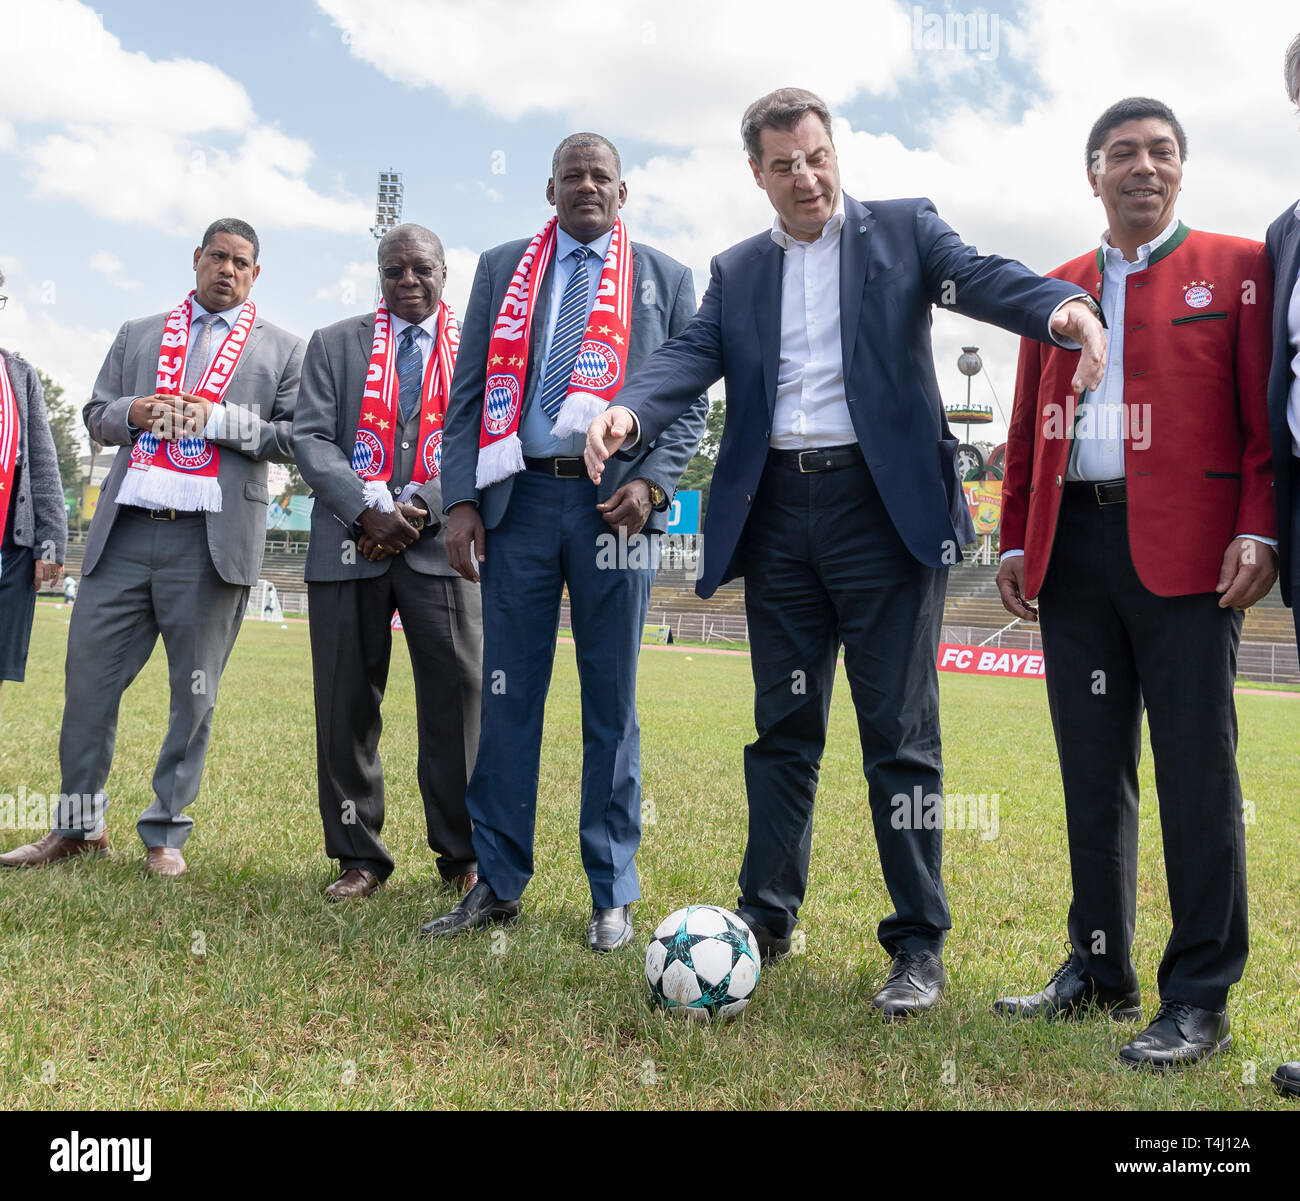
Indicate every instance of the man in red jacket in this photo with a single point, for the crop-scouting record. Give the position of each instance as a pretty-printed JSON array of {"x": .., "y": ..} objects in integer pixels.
[{"x": 1143, "y": 521}]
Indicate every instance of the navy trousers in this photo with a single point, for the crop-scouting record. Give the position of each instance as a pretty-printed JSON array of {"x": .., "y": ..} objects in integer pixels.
[
  {"x": 824, "y": 565},
  {"x": 552, "y": 535}
]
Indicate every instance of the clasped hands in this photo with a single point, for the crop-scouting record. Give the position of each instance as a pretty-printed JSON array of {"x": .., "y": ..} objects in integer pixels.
[
  {"x": 384, "y": 535},
  {"x": 171, "y": 418}
]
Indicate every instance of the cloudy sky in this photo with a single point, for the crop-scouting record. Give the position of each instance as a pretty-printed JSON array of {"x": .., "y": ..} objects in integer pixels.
[{"x": 125, "y": 127}]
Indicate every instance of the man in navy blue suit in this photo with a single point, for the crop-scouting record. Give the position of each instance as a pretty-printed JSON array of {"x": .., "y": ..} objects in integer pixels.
[
  {"x": 1283, "y": 242},
  {"x": 836, "y": 496},
  {"x": 555, "y": 325}
]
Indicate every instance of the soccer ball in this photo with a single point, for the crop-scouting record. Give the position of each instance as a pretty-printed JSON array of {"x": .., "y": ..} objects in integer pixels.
[{"x": 702, "y": 962}]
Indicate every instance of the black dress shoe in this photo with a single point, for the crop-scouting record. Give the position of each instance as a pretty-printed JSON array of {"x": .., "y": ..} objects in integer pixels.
[
  {"x": 1068, "y": 995},
  {"x": 609, "y": 929},
  {"x": 1179, "y": 1035},
  {"x": 915, "y": 983},
  {"x": 1287, "y": 1079},
  {"x": 480, "y": 907},
  {"x": 771, "y": 946}
]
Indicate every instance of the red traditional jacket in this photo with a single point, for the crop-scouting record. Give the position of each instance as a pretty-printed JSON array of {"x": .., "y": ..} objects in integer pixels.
[{"x": 1197, "y": 458}]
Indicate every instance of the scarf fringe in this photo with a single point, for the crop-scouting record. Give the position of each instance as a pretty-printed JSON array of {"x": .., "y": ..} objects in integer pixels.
[
  {"x": 498, "y": 461},
  {"x": 163, "y": 488},
  {"x": 377, "y": 496},
  {"x": 579, "y": 410}
]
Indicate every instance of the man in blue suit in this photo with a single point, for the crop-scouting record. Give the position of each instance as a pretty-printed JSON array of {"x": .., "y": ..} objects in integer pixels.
[
  {"x": 836, "y": 496},
  {"x": 553, "y": 323},
  {"x": 1283, "y": 242}
]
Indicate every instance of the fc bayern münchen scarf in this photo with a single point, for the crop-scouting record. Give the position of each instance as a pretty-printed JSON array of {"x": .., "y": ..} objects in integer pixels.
[
  {"x": 597, "y": 373},
  {"x": 372, "y": 454},
  {"x": 8, "y": 442},
  {"x": 183, "y": 474}
]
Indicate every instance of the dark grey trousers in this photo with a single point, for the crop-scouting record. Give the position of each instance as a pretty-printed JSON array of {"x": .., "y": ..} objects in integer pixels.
[
  {"x": 154, "y": 577},
  {"x": 351, "y": 644}
]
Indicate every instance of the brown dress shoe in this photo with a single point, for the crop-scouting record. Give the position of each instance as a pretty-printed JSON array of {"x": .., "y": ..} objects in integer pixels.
[
  {"x": 462, "y": 884},
  {"x": 353, "y": 884},
  {"x": 52, "y": 848},
  {"x": 164, "y": 861}
]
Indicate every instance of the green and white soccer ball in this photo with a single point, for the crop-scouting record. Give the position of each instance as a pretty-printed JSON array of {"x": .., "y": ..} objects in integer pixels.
[{"x": 702, "y": 962}]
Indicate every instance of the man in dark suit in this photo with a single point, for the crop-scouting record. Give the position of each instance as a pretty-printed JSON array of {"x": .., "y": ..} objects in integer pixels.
[
  {"x": 368, "y": 557},
  {"x": 33, "y": 519},
  {"x": 836, "y": 495},
  {"x": 1145, "y": 529},
  {"x": 554, "y": 327},
  {"x": 1283, "y": 242},
  {"x": 199, "y": 400}
]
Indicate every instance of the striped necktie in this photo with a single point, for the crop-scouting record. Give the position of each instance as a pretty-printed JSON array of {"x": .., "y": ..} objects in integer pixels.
[
  {"x": 567, "y": 339},
  {"x": 200, "y": 352},
  {"x": 410, "y": 373}
]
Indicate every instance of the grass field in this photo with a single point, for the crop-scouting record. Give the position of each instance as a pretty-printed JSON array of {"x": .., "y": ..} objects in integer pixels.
[{"x": 238, "y": 986}]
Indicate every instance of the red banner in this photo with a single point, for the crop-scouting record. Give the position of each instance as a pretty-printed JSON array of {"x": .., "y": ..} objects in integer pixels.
[{"x": 990, "y": 661}]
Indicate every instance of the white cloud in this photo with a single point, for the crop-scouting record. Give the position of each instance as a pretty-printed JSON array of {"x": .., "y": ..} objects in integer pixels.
[
  {"x": 353, "y": 290},
  {"x": 109, "y": 265},
  {"x": 672, "y": 71},
  {"x": 129, "y": 142},
  {"x": 58, "y": 56},
  {"x": 70, "y": 354}
]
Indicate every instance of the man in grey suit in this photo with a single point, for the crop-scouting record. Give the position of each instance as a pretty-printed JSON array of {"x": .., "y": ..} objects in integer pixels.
[
  {"x": 32, "y": 514},
  {"x": 522, "y": 514},
  {"x": 364, "y": 562},
  {"x": 184, "y": 573}
]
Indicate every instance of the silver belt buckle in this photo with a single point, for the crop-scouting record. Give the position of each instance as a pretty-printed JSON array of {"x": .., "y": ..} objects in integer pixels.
[{"x": 802, "y": 468}]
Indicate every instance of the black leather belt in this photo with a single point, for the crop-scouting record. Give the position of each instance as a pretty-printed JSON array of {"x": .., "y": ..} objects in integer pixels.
[
  {"x": 561, "y": 469},
  {"x": 824, "y": 458},
  {"x": 161, "y": 514},
  {"x": 1107, "y": 492}
]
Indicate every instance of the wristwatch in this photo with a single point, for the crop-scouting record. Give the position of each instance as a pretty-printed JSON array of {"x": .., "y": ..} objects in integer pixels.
[
  {"x": 658, "y": 497},
  {"x": 1093, "y": 307}
]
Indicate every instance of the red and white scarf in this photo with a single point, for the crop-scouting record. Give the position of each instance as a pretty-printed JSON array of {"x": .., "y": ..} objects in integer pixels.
[
  {"x": 597, "y": 374},
  {"x": 8, "y": 442},
  {"x": 372, "y": 453},
  {"x": 183, "y": 474}
]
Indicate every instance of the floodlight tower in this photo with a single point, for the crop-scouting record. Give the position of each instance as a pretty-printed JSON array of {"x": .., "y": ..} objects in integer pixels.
[{"x": 388, "y": 209}]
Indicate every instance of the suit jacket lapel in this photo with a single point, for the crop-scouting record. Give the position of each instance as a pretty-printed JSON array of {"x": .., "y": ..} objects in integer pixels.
[
  {"x": 1288, "y": 267},
  {"x": 767, "y": 316},
  {"x": 366, "y": 336},
  {"x": 855, "y": 242}
]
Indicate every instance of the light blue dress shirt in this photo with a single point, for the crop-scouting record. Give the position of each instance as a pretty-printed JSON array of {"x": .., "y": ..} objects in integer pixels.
[{"x": 535, "y": 428}]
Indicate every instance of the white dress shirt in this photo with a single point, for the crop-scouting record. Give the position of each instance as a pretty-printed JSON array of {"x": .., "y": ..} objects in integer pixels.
[
  {"x": 426, "y": 333},
  {"x": 1098, "y": 449},
  {"x": 811, "y": 410}
]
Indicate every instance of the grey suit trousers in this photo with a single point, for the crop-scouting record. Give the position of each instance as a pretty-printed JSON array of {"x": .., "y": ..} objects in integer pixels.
[{"x": 155, "y": 577}]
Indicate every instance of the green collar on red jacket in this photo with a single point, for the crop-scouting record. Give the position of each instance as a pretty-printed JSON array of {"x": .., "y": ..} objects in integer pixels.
[{"x": 1166, "y": 248}]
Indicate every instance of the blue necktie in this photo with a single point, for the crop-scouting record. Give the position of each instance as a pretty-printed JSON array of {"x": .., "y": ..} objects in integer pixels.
[
  {"x": 569, "y": 328},
  {"x": 410, "y": 373},
  {"x": 199, "y": 352}
]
